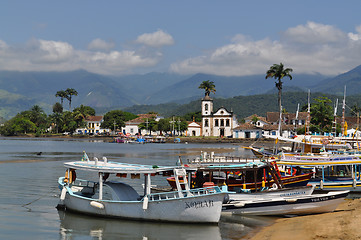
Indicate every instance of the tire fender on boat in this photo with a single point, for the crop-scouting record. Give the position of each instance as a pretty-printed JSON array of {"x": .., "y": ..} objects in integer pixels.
[
  {"x": 97, "y": 204},
  {"x": 274, "y": 186}
]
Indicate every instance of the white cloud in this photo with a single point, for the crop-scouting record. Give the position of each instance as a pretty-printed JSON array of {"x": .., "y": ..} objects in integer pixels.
[
  {"x": 155, "y": 39},
  {"x": 44, "y": 55},
  {"x": 99, "y": 44},
  {"x": 51, "y": 51},
  {"x": 309, "y": 48},
  {"x": 314, "y": 33}
]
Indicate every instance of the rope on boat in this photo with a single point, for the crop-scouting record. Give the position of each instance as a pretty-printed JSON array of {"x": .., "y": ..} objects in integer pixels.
[{"x": 37, "y": 199}]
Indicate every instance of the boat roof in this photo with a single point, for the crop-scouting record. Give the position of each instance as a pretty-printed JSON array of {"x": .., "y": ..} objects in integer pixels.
[
  {"x": 117, "y": 167},
  {"x": 250, "y": 165},
  {"x": 316, "y": 163}
]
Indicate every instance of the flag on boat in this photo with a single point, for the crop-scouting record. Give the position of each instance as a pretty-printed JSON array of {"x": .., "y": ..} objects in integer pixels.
[{"x": 85, "y": 157}]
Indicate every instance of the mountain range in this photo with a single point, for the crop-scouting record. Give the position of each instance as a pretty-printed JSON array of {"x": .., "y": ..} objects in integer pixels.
[{"x": 19, "y": 91}]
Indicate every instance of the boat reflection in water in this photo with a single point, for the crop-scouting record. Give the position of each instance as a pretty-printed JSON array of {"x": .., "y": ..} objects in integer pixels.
[{"x": 77, "y": 226}]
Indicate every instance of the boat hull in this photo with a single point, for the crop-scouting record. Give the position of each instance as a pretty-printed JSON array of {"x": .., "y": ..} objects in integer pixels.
[
  {"x": 237, "y": 184},
  {"x": 312, "y": 204},
  {"x": 200, "y": 209},
  {"x": 337, "y": 185},
  {"x": 285, "y": 192}
]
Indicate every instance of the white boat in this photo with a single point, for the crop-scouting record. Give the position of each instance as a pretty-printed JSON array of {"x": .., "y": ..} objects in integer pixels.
[
  {"x": 120, "y": 200},
  {"x": 272, "y": 193},
  {"x": 300, "y": 205}
]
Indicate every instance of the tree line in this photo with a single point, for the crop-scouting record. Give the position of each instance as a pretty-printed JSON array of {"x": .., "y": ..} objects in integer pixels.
[{"x": 36, "y": 121}]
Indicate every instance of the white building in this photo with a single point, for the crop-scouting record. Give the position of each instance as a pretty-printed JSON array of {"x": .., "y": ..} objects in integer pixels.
[
  {"x": 194, "y": 129},
  {"x": 247, "y": 130},
  {"x": 218, "y": 123},
  {"x": 93, "y": 124},
  {"x": 261, "y": 121},
  {"x": 132, "y": 126}
]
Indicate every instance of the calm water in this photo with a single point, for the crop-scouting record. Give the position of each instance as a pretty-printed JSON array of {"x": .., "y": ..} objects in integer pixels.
[{"x": 29, "y": 192}]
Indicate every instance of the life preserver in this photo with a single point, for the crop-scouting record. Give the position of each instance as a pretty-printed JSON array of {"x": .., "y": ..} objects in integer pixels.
[
  {"x": 294, "y": 170},
  {"x": 70, "y": 176},
  {"x": 274, "y": 186},
  {"x": 325, "y": 141}
]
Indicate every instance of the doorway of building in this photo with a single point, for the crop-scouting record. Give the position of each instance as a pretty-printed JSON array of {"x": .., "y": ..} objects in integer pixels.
[{"x": 221, "y": 132}]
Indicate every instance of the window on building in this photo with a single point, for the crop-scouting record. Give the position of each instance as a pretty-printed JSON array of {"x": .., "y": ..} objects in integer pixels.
[
  {"x": 222, "y": 122},
  {"x": 97, "y": 124},
  {"x": 206, "y": 107},
  {"x": 90, "y": 125},
  {"x": 216, "y": 123},
  {"x": 131, "y": 130},
  {"x": 206, "y": 123},
  {"x": 227, "y": 122}
]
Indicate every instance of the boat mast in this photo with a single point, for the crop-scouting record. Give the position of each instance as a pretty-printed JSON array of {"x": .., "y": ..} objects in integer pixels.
[
  {"x": 334, "y": 129},
  {"x": 343, "y": 113},
  {"x": 307, "y": 127},
  {"x": 296, "y": 118}
]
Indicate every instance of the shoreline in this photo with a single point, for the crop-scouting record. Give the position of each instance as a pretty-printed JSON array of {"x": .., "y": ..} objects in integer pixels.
[
  {"x": 343, "y": 223},
  {"x": 166, "y": 139}
]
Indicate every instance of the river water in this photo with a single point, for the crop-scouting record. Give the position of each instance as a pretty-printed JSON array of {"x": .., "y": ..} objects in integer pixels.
[{"x": 29, "y": 169}]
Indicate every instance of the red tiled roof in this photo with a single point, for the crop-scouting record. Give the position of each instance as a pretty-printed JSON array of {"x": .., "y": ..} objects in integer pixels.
[
  {"x": 246, "y": 126},
  {"x": 273, "y": 117},
  {"x": 94, "y": 118},
  {"x": 141, "y": 118}
]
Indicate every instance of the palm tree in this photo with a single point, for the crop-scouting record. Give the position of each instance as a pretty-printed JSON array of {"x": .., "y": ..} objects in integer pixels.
[
  {"x": 208, "y": 86},
  {"x": 278, "y": 72},
  {"x": 69, "y": 93},
  {"x": 62, "y": 94}
]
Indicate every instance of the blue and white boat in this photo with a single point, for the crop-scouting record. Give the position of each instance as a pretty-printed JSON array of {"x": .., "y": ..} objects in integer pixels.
[
  {"x": 119, "y": 200},
  {"x": 341, "y": 173}
]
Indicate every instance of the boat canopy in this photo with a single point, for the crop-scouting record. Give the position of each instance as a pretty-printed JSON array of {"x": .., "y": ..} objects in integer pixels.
[{"x": 117, "y": 167}]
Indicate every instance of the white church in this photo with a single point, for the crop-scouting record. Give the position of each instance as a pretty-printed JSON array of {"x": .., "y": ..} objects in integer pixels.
[{"x": 219, "y": 123}]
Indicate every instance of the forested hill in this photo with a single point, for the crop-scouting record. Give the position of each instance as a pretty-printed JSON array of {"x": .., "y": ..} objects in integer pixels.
[{"x": 244, "y": 106}]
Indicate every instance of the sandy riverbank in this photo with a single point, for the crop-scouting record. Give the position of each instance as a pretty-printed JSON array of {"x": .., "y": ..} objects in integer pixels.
[{"x": 344, "y": 223}]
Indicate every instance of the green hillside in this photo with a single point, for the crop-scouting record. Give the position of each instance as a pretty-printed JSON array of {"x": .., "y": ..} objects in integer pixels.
[{"x": 244, "y": 106}]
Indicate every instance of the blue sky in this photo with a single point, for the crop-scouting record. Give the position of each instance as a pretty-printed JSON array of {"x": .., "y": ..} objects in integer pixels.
[{"x": 232, "y": 38}]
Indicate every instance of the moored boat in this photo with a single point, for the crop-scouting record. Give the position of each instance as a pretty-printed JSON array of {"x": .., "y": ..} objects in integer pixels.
[
  {"x": 296, "y": 205},
  {"x": 120, "y": 200}
]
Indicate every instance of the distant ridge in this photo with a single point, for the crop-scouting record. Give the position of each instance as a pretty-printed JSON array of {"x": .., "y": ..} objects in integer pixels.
[{"x": 21, "y": 90}]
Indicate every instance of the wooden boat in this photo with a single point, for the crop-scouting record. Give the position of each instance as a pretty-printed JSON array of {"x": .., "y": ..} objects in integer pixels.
[
  {"x": 119, "y": 200},
  {"x": 252, "y": 176},
  {"x": 300, "y": 205}
]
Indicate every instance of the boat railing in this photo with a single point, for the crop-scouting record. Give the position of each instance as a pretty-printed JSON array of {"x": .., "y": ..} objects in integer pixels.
[
  {"x": 222, "y": 159},
  {"x": 186, "y": 193}
]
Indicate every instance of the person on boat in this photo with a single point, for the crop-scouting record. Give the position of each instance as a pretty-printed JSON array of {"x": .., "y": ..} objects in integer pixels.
[{"x": 199, "y": 180}]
